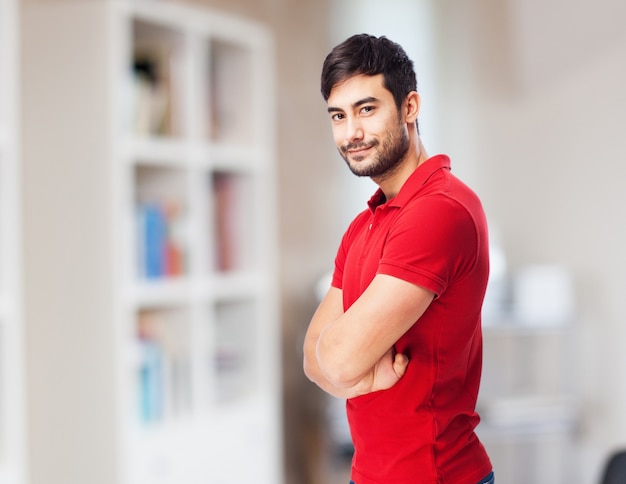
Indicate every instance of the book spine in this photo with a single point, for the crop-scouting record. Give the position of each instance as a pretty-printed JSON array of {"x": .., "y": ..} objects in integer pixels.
[
  {"x": 154, "y": 241},
  {"x": 159, "y": 242},
  {"x": 151, "y": 381}
]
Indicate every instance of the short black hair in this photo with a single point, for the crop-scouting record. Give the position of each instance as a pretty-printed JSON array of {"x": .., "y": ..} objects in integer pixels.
[{"x": 370, "y": 55}]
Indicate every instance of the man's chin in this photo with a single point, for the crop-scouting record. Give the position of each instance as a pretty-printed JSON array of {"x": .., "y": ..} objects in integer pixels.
[{"x": 359, "y": 170}]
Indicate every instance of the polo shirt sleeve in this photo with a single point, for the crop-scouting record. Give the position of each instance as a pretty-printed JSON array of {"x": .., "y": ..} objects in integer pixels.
[{"x": 433, "y": 242}]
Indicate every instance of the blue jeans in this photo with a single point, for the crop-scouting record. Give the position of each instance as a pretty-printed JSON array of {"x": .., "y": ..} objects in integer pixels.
[{"x": 490, "y": 479}]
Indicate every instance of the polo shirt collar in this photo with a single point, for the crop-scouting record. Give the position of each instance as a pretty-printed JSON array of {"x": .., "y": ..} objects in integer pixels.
[{"x": 412, "y": 185}]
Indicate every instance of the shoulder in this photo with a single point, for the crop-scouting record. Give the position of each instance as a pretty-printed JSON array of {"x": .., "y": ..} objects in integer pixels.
[
  {"x": 449, "y": 223},
  {"x": 445, "y": 200}
]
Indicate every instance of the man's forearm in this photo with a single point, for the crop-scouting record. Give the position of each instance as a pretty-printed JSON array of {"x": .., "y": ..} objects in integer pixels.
[
  {"x": 315, "y": 374},
  {"x": 382, "y": 376},
  {"x": 329, "y": 310},
  {"x": 337, "y": 392},
  {"x": 346, "y": 372}
]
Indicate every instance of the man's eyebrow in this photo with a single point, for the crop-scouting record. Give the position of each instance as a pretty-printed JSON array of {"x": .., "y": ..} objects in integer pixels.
[
  {"x": 365, "y": 100},
  {"x": 356, "y": 104}
]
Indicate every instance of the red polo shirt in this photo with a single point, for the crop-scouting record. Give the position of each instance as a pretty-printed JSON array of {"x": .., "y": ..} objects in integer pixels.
[{"x": 433, "y": 234}]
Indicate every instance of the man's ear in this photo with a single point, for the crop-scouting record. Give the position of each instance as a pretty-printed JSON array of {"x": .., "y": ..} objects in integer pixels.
[{"x": 412, "y": 107}]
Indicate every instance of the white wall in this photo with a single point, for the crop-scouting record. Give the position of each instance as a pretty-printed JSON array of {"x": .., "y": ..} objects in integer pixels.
[{"x": 542, "y": 87}]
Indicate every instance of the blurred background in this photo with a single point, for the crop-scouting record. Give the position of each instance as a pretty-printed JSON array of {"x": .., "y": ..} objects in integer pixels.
[{"x": 526, "y": 96}]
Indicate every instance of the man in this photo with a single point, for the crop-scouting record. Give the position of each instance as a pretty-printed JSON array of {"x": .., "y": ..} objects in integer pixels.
[{"x": 398, "y": 333}]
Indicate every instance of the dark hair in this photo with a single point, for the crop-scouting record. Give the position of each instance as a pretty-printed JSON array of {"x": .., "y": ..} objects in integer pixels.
[{"x": 369, "y": 55}]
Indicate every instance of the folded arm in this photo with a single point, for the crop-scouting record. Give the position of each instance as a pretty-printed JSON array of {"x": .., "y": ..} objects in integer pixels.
[{"x": 351, "y": 354}]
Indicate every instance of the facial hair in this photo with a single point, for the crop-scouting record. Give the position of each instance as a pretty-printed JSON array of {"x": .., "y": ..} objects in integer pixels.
[{"x": 390, "y": 153}]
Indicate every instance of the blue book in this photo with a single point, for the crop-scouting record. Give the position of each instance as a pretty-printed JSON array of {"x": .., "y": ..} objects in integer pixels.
[
  {"x": 154, "y": 240},
  {"x": 151, "y": 381}
]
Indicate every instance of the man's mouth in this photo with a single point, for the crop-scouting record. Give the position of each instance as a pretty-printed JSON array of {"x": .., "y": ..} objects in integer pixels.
[{"x": 358, "y": 149}]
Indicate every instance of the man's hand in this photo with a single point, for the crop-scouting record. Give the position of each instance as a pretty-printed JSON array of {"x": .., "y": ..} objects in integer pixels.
[{"x": 385, "y": 374}]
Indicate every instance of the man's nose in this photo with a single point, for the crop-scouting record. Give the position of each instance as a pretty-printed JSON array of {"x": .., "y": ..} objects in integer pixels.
[{"x": 354, "y": 130}]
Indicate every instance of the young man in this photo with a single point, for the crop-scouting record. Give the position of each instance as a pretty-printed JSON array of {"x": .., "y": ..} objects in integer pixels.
[{"x": 398, "y": 333}]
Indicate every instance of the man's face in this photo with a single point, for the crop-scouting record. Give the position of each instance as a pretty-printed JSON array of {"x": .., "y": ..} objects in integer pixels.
[{"x": 367, "y": 127}]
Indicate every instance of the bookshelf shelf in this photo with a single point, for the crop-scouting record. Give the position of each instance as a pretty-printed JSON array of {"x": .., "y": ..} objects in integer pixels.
[
  {"x": 235, "y": 158},
  {"x": 185, "y": 205},
  {"x": 157, "y": 151},
  {"x": 164, "y": 291},
  {"x": 233, "y": 284}
]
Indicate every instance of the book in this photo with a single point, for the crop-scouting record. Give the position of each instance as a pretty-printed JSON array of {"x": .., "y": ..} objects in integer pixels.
[
  {"x": 233, "y": 219},
  {"x": 153, "y": 240},
  {"x": 160, "y": 240},
  {"x": 164, "y": 385}
]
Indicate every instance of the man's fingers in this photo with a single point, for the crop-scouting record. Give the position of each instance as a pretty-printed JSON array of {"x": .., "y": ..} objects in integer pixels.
[{"x": 400, "y": 363}]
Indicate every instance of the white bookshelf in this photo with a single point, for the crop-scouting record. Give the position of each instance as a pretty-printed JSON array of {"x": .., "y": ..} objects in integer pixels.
[
  {"x": 183, "y": 180},
  {"x": 529, "y": 405},
  {"x": 12, "y": 428}
]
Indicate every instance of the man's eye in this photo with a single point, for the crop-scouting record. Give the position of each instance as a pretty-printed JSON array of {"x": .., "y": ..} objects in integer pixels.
[
  {"x": 337, "y": 117},
  {"x": 367, "y": 109}
]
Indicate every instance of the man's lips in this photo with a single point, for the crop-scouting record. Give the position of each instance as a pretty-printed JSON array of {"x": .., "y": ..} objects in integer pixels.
[{"x": 358, "y": 150}]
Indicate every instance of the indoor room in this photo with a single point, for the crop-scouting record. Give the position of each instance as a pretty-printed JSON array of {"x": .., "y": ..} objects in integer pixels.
[{"x": 172, "y": 201}]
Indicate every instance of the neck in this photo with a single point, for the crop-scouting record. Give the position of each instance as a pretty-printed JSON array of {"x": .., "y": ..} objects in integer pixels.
[{"x": 391, "y": 183}]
